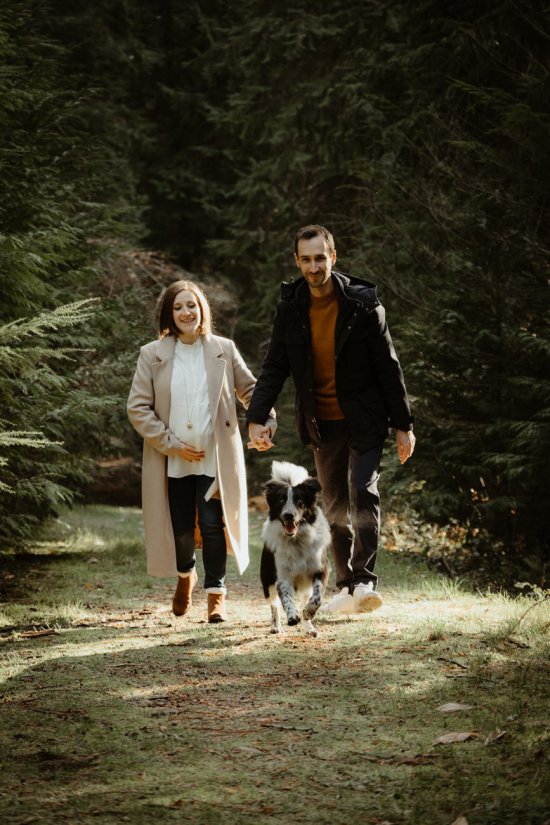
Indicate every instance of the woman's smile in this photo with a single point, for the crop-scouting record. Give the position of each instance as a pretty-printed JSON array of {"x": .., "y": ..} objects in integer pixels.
[{"x": 187, "y": 317}]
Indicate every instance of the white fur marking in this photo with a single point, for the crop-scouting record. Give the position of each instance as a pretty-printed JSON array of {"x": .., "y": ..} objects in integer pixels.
[
  {"x": 288, "y": 473},
  {"x": 298, "y": 557}
]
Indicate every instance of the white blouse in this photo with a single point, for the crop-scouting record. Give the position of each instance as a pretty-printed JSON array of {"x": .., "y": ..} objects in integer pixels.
[{"x": 189, "y": 404}]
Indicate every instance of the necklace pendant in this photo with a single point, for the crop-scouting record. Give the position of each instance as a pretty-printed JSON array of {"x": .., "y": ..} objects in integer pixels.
[{"x": 189, "y": 425}]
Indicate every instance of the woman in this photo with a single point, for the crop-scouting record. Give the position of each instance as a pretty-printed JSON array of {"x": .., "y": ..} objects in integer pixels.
[{"x": 182, "y": 403}]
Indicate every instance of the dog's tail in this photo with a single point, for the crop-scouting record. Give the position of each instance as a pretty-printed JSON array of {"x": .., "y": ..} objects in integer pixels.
[{"x": 288, "y": 473}]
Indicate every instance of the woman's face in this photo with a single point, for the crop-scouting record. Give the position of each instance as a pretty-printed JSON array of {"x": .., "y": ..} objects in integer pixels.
[{"x": 187, "y": 315}]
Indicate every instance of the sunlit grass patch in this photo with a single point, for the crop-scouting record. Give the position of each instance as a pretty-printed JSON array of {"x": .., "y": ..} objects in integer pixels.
[
  {"x": 23, "y": 619},
  {"x": 80, "y": 541},
  {"x": 92, "y": 528},
  {"x": 104, "y": 715}
]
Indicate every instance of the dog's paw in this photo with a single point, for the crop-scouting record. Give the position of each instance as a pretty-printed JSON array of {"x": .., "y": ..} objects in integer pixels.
[
  {"x": 292, "y": 620},
  {"x": 310, "y": 630},
  {"x": 310, "y": 610},
  {"x": 276, "y": 628}
]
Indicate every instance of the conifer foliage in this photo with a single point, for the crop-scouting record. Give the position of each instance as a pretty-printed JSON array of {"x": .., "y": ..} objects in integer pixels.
[
  {"x": 417, "y": 131},
  {"x": 36, "y": 392},
  {"x": 54, "y": 204}
]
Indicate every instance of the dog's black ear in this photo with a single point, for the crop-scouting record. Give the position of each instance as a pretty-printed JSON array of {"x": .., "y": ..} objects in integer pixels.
[
  {"x": 308, "y": 490},
  {"x": 273, "y": 486},
  {"x": 274, "y": 491},
  {"x": 312, "y": 484}
]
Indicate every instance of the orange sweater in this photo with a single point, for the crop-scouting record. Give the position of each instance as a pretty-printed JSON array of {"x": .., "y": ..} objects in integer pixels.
[{"x": 322, "y": 319}]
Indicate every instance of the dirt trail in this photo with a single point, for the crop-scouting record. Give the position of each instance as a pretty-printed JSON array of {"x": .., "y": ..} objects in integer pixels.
[{"x": 114, "y": 712}]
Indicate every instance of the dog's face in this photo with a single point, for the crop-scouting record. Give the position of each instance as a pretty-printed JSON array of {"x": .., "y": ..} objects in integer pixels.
[{"x": 292, "y": 506}]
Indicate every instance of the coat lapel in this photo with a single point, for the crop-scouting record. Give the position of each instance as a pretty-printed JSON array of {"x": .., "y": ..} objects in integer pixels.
[
  {"x": 215, "y": 363},
  {"x": 162, "y": 376},
  {"x": 166, "y": 347}
]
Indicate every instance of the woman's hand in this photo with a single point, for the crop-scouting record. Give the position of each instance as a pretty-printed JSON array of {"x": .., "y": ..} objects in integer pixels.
[
  {"x": 259, "y": 437},
  {"x": 189, "y": 453}
]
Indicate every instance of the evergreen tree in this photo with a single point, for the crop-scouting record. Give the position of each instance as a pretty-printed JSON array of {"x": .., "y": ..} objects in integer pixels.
[
  {"x": 417, "y": 131},
  {"x": 37, "y": 393},
  {"x": 465, "y": 197},
  {"x": 57, "y": 215},
  {"x": 419, "y": 134}
]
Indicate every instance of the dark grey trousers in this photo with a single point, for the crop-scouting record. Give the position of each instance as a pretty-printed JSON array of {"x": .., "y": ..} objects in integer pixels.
[{"x": 351, "y": 503}]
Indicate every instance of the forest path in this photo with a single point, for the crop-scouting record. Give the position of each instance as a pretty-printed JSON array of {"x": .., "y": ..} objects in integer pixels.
[{"x": 434, "y": 709}]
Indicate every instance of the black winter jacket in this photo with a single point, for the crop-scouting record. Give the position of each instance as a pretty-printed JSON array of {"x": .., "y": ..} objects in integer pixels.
[{"x": 369, "y": 381}]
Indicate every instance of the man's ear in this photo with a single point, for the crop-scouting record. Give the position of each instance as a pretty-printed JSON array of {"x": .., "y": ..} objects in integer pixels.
[
  {"x": 296, "y": 260},
  {"x": 333, "y": 257}
]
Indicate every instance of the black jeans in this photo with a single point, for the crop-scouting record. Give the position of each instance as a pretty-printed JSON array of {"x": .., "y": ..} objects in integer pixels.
[
  {"x": 186, "y": 497},
  {"x": 351, "y": 503}
]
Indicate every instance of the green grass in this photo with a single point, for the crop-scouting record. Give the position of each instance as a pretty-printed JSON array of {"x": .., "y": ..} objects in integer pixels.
[{"x": 123, "y": 714}]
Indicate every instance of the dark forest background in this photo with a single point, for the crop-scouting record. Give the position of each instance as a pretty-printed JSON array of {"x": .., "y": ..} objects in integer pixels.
[{"x": 141, "y": 137}]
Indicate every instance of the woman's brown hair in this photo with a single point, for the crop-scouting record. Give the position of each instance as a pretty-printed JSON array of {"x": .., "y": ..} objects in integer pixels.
[{"x": 166, "y": 315}]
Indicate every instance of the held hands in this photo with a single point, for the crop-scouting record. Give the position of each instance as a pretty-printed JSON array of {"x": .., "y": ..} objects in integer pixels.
[
  {"x": 260, "y": 437},
  {"x": 190, "y": 453},
  {"x": 405, "y": 442}
]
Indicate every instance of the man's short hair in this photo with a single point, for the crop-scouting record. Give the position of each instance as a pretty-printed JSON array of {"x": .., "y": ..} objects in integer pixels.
[{"x": 311, "y": 231}]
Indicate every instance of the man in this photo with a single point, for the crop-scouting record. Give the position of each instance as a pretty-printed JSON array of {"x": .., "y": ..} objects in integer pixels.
[{"x": 330, "y": 333}]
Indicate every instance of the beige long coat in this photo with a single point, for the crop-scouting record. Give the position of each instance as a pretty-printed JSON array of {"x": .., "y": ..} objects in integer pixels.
[{"x": 149, "y": 412}]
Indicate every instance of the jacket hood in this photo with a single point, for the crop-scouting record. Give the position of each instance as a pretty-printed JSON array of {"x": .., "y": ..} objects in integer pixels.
[{"x": 355, "y": 288}]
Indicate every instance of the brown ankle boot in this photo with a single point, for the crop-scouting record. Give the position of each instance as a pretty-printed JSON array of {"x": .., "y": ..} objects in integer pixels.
[
  {"x": 216, "y": 608},
  {"x": 182, "y": 597}
]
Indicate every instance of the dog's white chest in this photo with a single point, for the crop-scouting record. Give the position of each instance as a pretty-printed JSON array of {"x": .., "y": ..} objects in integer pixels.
[{"x": 301, "y": 554}]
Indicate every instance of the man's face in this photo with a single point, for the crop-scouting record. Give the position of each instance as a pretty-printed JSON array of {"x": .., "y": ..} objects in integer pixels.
[{"x": 315, "y": 261}]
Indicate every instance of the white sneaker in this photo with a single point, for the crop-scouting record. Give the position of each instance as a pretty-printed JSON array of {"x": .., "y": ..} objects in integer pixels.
[
  {"x": 365, "y": 598},
  {"x": 342, "y": 602}
]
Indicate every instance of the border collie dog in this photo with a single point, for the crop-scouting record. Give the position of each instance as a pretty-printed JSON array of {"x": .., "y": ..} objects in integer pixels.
[{"x": 296, "y": 536}]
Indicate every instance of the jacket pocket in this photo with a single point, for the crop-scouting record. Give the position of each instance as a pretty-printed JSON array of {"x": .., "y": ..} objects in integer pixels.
[{"x": 374, "y": 407}]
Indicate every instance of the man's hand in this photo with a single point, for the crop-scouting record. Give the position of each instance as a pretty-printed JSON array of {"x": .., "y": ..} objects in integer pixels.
[
  {"x": 405, "y": 442},
  {"x": 260, "y": 437}
]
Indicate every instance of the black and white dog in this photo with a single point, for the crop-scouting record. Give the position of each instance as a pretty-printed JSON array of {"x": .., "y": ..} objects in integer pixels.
[{"x": 296, "y": 536}]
